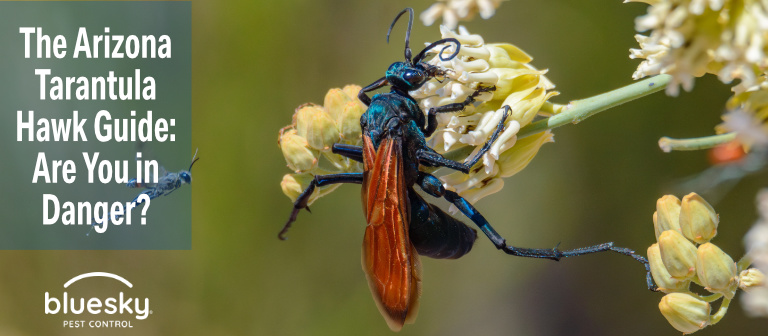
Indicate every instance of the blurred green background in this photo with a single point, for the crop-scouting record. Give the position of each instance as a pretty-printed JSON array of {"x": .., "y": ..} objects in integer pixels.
[{"x": 255, "y": 61}]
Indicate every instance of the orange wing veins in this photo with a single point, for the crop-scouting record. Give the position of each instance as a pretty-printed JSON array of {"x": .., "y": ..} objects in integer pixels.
[{"x": 389, "y": 260}]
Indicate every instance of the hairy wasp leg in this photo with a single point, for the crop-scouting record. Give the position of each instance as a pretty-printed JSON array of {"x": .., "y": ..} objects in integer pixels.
[
  {"x": 455, "y": 107},
  {"x": 348, "y": 151},
  {"x": 434, "y": 159},
  {"x": 554, "y": 254},
  {"x": 318, "y": 181},
  {"x": 381, "y": 82}
]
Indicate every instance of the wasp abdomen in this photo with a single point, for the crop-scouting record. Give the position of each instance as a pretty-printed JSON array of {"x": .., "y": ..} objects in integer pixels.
[{"x": 436, "y": 234}]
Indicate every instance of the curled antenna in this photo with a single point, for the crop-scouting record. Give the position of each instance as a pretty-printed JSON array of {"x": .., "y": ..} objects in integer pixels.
[
  {"x": 194, "y": 159},
  {"x": 423, "y": 53},
  {"x": 407, "y": 32}
]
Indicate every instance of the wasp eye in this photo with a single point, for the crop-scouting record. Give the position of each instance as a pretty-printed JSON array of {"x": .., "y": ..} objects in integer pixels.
[{"x": 413, "y": 77}]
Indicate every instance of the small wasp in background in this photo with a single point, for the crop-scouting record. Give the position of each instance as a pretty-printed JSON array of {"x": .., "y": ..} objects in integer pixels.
[
  {"x": 167, "y": 182},
  {"x": 401, "y": 224}
]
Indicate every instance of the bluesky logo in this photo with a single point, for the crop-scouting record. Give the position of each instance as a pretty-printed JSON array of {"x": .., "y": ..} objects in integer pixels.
[{"x": 122, "y": 304}]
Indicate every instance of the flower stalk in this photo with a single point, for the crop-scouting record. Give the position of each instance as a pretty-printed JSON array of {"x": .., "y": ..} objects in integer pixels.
[
  {"x": 668, "y": 144},
  {"x": 578, "y": 110}
]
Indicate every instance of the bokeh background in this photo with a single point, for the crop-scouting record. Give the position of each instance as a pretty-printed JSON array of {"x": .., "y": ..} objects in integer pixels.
[{"x": 255, "y": 61}]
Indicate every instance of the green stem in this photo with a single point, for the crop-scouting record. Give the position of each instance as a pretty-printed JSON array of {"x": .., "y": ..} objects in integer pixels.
[
  {"x": 579, "y": 110},
  {"x": 708, "y": 298},
  {"x": 744, "y": 263},
  {"x": 668, "y": 144},
  {"x": 720, "y": 312}
]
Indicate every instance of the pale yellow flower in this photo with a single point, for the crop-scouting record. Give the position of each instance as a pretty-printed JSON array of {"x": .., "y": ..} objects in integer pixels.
[
  {"x": 747, "y": 115},
  {"x": 518, "y": 85},
  {"x": 685, "y": 312},
  {"x": 453, "y": 11},
  {"x": 306, "y": 143},
  {"x": 676, "y": 261},
  {"x": 688, "y": 38}
]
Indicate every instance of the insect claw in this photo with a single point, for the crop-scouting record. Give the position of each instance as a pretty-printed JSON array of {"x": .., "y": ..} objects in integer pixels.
[{"x": 308, "y": 209}]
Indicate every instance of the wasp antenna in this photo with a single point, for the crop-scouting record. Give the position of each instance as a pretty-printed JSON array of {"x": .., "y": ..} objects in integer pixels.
[
  {"x": 423, "y": 53},
  {"x": 408, "y": 53},
  {"x": 194, "y": 159}
]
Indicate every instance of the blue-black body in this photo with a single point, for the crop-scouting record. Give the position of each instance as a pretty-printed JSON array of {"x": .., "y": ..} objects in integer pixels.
[{"x": 432, "y": 232}]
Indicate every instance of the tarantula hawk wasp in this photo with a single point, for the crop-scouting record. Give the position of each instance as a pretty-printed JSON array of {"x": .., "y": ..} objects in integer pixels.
[{"x": 401, "y": 224}]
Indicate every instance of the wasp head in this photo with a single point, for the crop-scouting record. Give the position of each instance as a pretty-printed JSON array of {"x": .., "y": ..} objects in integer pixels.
[
  {"x": 186, "y": 175},
  {"x": 407, "y": 76},
  {"x": 413, "y": 73}
]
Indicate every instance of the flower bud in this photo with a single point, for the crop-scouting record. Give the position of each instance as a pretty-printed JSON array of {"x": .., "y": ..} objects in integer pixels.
[
  {"x": 667, "y": 215},
  {"x": 751, "y": 278},
  {"x": 685, "y": 312},
  {"x": 716, "y": 270},
  {"x": 334, "y": 103},
  {"x": 349, "y": 121},
  {"x": 698, "y": 220},
  {"x": 522, "y": 152},
  {"x": 295, "y": 184},
  {"x": 296, "y": 151},
  {"x": 292, "y": 187},
  {"x": 525, "y": 109},
  {"x": 678, "y": 255},
  {"x": 352, "y": 91},
  {"x": 661, "y": 276},
  {"x": 317, "y": 126}
]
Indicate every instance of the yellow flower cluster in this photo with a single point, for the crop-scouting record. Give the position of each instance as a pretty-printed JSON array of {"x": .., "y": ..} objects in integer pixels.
[
  {"x": 689, "y": 38},
  {"x": 518, "y": 85},
  {"x": 453, "y": 11},
  {"x": 306, "y": 143},
  {"x": 676, "y": 262}
]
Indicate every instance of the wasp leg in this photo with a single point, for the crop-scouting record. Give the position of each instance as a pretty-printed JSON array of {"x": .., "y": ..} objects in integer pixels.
[
  {"x": 348, "y": 151},
  {"x": 381, "y": 82},
  {"x": 455, "y": 107},
  {"x": 152, "y": 193},
  {"x": 431, "y": 158},
  {"x": 553, "y": 254},
  {"x": 318, "y": 181},
  {"x": 430, "y": 184}
]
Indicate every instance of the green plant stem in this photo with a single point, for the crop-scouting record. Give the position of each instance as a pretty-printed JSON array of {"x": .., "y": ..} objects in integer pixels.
[
  {"x": 581, "y": 109},
  {"x": 668, "y": 144},
  {"x": 720, "y": 312},
  {"x": 707, "y": 298},
  {"x": 744, "y": 263}
]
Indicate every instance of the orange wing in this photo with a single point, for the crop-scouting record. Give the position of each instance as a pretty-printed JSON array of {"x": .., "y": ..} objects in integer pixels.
[{"x": 390, "y": 261}]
